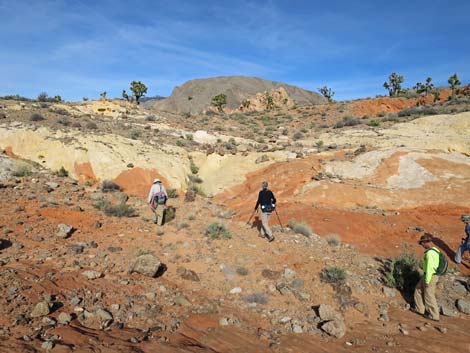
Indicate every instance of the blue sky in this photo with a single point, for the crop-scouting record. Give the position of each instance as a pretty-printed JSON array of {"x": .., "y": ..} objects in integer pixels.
[{"x": 80, "y": 48}]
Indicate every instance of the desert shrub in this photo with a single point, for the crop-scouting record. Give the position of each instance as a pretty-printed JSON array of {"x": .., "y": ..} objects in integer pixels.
[
  {"x": 194, "y": 168},
  {"x": 109, "y": 186},
  {"x": 36, "y": 117},
  {"x": 63, "y": 121},
  {"x": 189, "y": 137},
  {"x": 172, "y": 193},
  {"x": 180, "y": 143},
  {"x": 76, "y": 124},
  {"x": 119, "y": 210},
  {"x": 333, "y": 239},
  {"x": 216, "y": 230},
  {"x": 22, "y": 170},
  {"x": 421, "y": 110},
  {"x": 144, "y": 251},
  {"x": 91, "y": 125},
  {"x": 169, "y": 215},
  {"x": 297, "y": 136},
  {"x": 62, "y": 111},
  {"x": 402, "y": 271},
  {"x": 194, "y": 179},
  {"x": 260, "y": 140},
  {"x": 381, "y": 114},
  {"x": 258, "y": 298},
  {"x": 134, "y": 134},
  {"x": 374, "y": 123},
  {"x": 242, "y": 271},
  {"x": 150, "y": 118},
  {"x": 196, "y": 189},
  {"x": 333, "y": 275},
  {"x": 347, "y": 121},
  {"x": 182, "y": 225},
  {"x": 62, "y": 172},
  {"x": 300, "y": 228}
]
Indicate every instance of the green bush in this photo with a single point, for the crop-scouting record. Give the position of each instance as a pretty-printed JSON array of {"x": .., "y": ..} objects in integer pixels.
[
  {"x": 169, "y": 215},
  {"x": 172, "y": 193},
  {"x": 119, "y": 210},
  {"x": 374, "y": 123},
  {"x": 109, "y": 186},
  {"x": 333, "y": 275},
  {"x": 63, "y": 121},
  {"x": 300, "y": 228},
  {"x": 22, "y": 170},
  {"x": 194, "y": 179},
  {"x": 333, "y": 239},
  {"x": 217, "y": 230},
  {"x": 36, "y": 117},
  {"x": 91, "y": 125},
  {"x": 194, "y": 168},
  {"x": 402, "y": 271},
  {"x": 62, "y": 172}
]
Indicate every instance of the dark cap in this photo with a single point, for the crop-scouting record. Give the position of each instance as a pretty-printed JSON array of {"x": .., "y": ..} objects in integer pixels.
[{"x": 426, "y": 238}]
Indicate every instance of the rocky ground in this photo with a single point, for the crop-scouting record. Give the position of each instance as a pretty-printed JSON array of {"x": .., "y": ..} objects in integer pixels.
[
  {"x": 74, "y": 279},
  {"x": 77, "y": 277}
]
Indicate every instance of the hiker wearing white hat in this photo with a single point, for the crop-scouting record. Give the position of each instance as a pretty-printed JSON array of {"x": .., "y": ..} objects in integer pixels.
[{"x": 157, "y": 200}]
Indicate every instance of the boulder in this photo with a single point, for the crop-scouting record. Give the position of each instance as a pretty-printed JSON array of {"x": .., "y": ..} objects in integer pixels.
[
  {"x": 64, "y": 231},
  {"x": 91, "y": 274},
  {"x": 41, "y": 309},
  {"x": 100, "y": 319},
  {"x": 463, "y": 306},
  {"x": 335, "y": 328},
  {"x": 147, "y": 265},
  {"x": 327, "y": 313},
  {"x": 64, "y": 318}
]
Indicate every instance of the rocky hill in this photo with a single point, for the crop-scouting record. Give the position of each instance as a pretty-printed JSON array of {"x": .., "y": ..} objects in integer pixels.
[{"x": 195, "y": 96}]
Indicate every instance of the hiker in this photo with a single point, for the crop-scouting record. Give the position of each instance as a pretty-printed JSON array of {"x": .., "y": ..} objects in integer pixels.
[
  {"x": 425, "y": 291},
  {"x": 465, "y": 246},
  {"x": 157, "y": 200},
  {"x": 268, "y": 203}
]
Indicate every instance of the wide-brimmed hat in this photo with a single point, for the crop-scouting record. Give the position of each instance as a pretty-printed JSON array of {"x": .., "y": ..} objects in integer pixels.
[
  {"x": 156, "y": 181},
  {"x": 426, "y": 238}
]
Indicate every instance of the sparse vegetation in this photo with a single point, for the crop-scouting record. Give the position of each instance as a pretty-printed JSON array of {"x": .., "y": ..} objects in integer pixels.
[
  {"x": 169, "y": 215},
  {"x": 194, "y": 168},
  {"x": 347, "y": 121},
  {"x": 109, "y": 186},
  {"x": 417, "y": 111},
  {"x": 62, "y": 172},
  {"x": 333, "y": 275},
  {"x": 217, "y": 230},
  {"x": 333, "y": 240},
  {"x": 194, "y": 179},
  {"x": 36, "y": 117},
  {"x": 300, "y": 228},
  {"x": 402, "y": 271},
  {"x": 172, "y": 193},
  {"x": 119, "y": 210},
  {"x": 258, "y": 298},
  {"x": 91, "y": 125},
  {"x": 22, "y": 170}
]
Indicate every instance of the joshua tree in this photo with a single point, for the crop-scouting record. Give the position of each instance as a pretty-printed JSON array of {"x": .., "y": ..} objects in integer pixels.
[
  {"x": 138, "y": 90},
  {"x": 437, "y": 95},
  {"x": 327, "y": 93},
  {"x": 426, "y": 88},
  {"x": 454, "y": 82},
  {"x": 246, "y": 103},
  {"x": 269, "y": 101},
  {"x": 219, "y": 101},
  {"x": 394, "y": 84}
]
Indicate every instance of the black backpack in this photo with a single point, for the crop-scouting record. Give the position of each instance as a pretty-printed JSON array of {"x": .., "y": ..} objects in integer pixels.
[{"x": 442, "y": 268}]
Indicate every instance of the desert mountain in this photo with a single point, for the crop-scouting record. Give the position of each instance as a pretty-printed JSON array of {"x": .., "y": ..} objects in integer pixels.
[{"x": 195, "y": 96}]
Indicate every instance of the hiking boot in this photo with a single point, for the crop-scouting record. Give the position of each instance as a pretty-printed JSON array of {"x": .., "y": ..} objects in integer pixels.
[
  {"x": 271, "y": 239},
  {"x": 429, "y": 317},
  {"x": 413, "y": 310}
]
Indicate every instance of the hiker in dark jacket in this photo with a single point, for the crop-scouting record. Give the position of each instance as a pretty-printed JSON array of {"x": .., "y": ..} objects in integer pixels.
[
  {"x": 268, "y": 202},
  {"x": 465, "y": 246}
]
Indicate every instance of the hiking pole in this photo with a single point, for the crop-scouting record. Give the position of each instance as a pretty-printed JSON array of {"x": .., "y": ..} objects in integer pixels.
[
  {"x": 254, "y": 211},
  {"x": 279, "y": 219}
]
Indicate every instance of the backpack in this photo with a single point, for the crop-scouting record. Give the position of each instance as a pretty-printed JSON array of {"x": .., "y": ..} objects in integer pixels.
[
  {"x": 442, "y": 267},
  {"x": 159, "y": 197},
  {"x": 268, "y": 208}
]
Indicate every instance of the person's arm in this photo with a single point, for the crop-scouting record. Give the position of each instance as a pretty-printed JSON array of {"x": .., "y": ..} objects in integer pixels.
[
  {"x": 150, "y": 195},
  {"x": 258, "y": 202},
  {"x": 273, "y": 198},
  {"x": 467, "y": 229}
]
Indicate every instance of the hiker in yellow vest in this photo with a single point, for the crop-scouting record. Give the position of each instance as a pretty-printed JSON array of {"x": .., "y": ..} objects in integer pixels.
[{"x": 425, "y": 291}]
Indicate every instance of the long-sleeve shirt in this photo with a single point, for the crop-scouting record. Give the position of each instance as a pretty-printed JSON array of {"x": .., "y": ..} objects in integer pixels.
[
  {"x": 157, "y": 187},
  {"x": 265, "y": 197},
  {"x": 431, "y": 263},
  {"x": 467, "y": 230}
]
